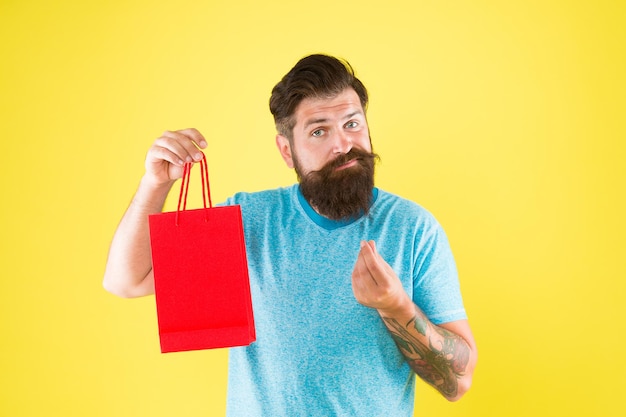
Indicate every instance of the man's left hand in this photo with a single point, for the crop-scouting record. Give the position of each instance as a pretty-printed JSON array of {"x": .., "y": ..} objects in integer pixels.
[{"x": 376, "y": 285}]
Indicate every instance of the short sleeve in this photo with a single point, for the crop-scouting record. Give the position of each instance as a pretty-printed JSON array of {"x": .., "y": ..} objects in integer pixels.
[{"x": 436, "y": 284}]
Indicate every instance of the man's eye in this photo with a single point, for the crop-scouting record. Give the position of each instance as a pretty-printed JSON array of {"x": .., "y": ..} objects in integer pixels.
[
  {"x": 351, "y": 125},
  {"x": 317, "y": 133}
]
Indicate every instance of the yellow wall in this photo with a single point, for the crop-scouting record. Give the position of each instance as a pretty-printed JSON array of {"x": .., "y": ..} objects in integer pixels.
[{"x": 505, "y": 119}]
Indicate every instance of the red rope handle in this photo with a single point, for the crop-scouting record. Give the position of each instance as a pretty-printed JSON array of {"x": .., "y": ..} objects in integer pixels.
[
  {"x": 184, "y": 187},
  {"x": 206, "y": 190},
  {"x": 184, "y": 190}
]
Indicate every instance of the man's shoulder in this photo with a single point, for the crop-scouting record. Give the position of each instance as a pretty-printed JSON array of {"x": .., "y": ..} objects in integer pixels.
[
  {"x": 389, "y": 202},
  {"x": 264, "y": 197}
]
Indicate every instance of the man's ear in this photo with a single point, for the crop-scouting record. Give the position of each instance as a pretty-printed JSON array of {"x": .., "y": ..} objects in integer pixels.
[{"x": 284, "y": 147}]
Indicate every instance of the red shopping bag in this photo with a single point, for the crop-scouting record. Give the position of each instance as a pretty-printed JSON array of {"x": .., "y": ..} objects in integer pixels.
[{"x": 202, "y": 289}]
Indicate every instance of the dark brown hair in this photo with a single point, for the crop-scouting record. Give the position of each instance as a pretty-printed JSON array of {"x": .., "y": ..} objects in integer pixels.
[{"x": 314, "y": 76}]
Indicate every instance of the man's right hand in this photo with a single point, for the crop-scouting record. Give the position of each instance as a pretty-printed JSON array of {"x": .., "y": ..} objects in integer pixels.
[
  {"x": 128, "y": 271},
  {"x": 169, "y": 153}
]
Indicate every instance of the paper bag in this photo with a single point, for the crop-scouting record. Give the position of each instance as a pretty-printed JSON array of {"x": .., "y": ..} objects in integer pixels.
[{"x": 202, "y": 289}]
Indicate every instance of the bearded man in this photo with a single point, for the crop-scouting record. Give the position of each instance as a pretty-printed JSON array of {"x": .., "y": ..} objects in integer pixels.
[{"x": 354, "y": 289}]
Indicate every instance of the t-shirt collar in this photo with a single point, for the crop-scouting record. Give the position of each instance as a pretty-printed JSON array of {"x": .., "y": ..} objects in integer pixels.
[{"x": 325, "y": 222}]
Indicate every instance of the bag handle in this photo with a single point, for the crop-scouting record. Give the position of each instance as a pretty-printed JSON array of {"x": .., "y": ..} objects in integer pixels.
[{"x": 184, "y": 187}]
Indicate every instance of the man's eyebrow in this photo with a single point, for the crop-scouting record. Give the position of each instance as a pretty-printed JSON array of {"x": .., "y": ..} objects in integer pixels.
[
  {"x": 314, "y": 122},
  {"x": 324, "y": 120},
  {"x": 354, "y": 113}
]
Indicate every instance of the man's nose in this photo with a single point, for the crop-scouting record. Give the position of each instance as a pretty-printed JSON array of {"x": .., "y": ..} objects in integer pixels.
[{"x": 342, "y": 143}]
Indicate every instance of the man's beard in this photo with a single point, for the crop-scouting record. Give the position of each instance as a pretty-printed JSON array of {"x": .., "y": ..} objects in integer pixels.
[{"x": 340, "y": 194}]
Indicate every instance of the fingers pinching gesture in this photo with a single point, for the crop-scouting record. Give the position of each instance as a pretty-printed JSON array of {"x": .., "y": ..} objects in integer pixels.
[
  {"x": 169, "y": 153},
  {"x": 375, "y": 284}
]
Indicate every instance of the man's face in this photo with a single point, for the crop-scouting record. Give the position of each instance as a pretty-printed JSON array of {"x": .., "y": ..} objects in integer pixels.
[
  {"x": 331, "y": 153},
  {"x": 326, "y": 128}
]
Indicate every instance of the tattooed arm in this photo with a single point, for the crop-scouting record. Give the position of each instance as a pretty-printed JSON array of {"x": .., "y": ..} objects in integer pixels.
[
  {"x": 444, "y": 356},
  {"x": 439, "y": 356}
]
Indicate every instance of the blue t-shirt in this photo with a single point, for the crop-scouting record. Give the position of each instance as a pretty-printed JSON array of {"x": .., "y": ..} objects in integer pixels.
[{"x": 318, "y": 351}]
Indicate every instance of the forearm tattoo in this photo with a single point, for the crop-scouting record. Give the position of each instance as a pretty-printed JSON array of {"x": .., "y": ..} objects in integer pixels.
[{"x": 439, "y": 357}]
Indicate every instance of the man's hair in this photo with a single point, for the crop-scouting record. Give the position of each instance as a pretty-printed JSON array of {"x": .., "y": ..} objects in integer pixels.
[{"x": 314, "y": 76}]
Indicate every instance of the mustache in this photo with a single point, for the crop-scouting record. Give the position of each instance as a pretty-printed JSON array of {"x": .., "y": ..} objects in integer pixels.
[{"x": 354, "y": 153}]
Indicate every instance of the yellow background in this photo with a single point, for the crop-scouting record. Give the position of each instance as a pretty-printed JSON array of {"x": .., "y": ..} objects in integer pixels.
[{"x": 504, "y": 119}]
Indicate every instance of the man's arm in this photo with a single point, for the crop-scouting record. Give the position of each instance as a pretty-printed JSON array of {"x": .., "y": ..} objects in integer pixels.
[
  {"x": 128, "y": 270},
  {"x": 438, "y": 354},
  {"x": 444, "y": 356}
]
